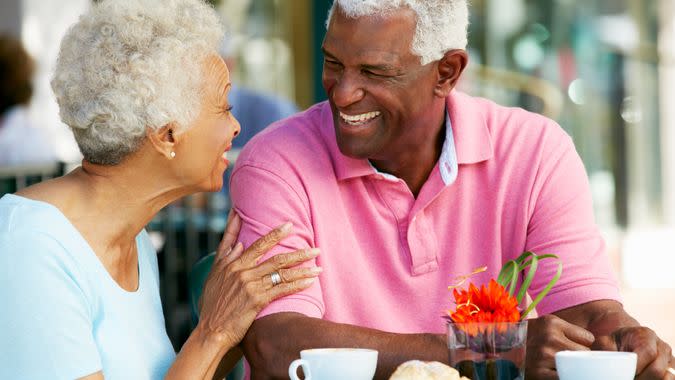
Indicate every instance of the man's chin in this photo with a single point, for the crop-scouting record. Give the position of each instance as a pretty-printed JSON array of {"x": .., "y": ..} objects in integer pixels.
[{"x": 353, "y": 150}]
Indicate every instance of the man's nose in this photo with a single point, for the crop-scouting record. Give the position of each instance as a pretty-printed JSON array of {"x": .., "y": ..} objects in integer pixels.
[{"x": 347, "y": 91}]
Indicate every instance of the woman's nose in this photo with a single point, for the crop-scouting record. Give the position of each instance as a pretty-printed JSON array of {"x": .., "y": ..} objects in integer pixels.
[{"x": 237, "y": 127}]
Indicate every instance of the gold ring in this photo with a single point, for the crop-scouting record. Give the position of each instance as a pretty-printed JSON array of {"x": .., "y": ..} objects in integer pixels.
[{"x": 671, "y": 370}]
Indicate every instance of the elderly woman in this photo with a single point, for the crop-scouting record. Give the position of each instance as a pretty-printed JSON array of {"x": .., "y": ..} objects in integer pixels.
[{"x": 141, "y": 85}]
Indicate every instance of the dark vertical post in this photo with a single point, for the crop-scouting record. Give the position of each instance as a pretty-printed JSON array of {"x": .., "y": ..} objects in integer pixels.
[{"x": 319, "y": 13}]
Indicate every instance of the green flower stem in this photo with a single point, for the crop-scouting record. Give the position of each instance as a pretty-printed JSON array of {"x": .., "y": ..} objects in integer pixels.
[
  {"x": 508, "y": 277},
  {"x": 544, "y": 292},
  {"x": 534, "y": 262}
]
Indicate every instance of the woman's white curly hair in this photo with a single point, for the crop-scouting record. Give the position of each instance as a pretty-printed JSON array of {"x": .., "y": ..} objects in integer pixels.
[
  {"x": 441, "y": 24},
  {"x": 130, "y": 65}
]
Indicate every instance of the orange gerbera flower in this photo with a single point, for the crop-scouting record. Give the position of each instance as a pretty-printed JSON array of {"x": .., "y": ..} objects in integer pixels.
[{"x": 491, "y": 304}]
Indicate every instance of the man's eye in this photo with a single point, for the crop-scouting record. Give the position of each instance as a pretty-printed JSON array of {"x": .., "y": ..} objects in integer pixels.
[
  {"x": 227, "y": 109},
  {"x": 331, "y": 62},
  {"x": 372, "y": 74}
]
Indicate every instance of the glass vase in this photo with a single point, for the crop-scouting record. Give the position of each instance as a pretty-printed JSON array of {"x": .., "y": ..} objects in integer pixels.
[{"x": 488, "y": 351}]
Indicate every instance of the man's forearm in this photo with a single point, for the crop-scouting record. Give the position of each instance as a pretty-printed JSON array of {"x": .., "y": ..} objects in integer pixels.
[{"x": 276, "y": 340}]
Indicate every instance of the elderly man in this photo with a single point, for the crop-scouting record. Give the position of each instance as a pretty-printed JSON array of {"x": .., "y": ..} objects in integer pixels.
[{"x": 404, "y": 184}]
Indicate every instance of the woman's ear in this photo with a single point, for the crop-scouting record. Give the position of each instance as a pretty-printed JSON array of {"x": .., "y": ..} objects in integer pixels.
[
  {"x": 450, "y": 68},
  {"x": 162, "y": 139}
]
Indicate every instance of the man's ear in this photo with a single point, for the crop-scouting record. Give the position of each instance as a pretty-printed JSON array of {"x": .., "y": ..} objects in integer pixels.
[
  {"x": 450, "y": 68},
  {"x": 162, "y": 139}
]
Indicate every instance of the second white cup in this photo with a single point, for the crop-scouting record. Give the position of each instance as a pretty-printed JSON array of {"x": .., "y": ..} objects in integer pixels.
[{"x": 593, "y": 365}]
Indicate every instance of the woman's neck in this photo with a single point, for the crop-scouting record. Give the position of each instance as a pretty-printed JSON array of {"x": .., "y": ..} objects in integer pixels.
[{"x": 127, "y": 197}]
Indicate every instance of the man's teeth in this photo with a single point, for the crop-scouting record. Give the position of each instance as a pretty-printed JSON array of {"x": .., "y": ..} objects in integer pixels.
[
  {"x": 224, "y": 155},
  {"x": 359, "y": 119}
]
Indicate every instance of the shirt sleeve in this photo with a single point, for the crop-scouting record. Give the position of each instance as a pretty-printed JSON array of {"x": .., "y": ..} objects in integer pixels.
[
  {"x": 562, "y": 223},
  {"x": 45, "y": 323},
  {"x": 265, "y": 200}
]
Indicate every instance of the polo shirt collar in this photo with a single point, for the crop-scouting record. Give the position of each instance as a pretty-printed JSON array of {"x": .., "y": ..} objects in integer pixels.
[
  {"x": 472, "y": 136},
  {"x": 467, "y": 141}
]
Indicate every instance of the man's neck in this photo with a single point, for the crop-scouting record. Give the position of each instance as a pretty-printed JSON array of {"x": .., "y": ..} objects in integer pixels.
[{"x": 415, "y": 163}]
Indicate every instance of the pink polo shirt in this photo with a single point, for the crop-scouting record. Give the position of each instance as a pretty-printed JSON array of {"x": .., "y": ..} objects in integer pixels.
[{"x": 388, "y": 257}]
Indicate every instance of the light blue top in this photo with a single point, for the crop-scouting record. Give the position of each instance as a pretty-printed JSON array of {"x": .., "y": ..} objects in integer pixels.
[{"x": 62, "y": 315}]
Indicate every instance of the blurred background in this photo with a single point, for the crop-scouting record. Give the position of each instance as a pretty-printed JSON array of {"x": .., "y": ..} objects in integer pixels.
[{"x": 603, "y": 69}]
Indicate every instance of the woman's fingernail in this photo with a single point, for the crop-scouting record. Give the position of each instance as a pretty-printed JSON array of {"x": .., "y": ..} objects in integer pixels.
[
  {"x": 286, "y": 227},
  {"x": 316, "y": 270},
  {"x": 314, "y": 252},
  {"x": 307, "y": 281}
]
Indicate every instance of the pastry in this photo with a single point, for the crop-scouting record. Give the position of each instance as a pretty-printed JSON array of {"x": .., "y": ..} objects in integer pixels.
[{"x": 419, "y": 370}]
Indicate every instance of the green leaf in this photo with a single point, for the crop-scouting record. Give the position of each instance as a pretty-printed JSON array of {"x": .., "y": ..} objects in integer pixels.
[
  {"x": 514, "y": 280},
  {"x": 534, "y": 262},
  {"x": 524, "y": 256},
  {"x": 548, "y": 287},
  {"x": 509, "y": 270},
  {"x": 545, "y": 256}
]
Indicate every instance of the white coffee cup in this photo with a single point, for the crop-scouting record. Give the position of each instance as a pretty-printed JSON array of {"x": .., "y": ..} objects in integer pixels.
[
  {"x": 335, "y": 364},
  {"x": 593, "y": 365}
]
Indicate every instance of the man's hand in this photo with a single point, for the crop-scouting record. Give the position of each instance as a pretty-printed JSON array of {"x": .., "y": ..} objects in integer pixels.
[
  {"x": 654, "y": 355},
  {"x": 547, "y": 335}
]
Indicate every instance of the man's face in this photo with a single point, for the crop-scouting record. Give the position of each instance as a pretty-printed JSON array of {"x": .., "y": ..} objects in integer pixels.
[{"x": 380, "y": 94}]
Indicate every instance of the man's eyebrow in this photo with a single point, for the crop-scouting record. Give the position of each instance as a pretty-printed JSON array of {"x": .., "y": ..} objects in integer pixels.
[
  {"x": 374, "y": 67},
  {"x": 325, "y": 52}
]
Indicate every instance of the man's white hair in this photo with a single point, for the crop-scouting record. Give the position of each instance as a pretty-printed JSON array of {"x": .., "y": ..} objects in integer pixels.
[
  {"x": 441, "y": 24},
  {"x": 130, "y": 65}
]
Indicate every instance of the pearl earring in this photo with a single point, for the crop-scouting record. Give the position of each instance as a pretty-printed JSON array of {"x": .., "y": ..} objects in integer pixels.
[{"x": 173, "y": 154}]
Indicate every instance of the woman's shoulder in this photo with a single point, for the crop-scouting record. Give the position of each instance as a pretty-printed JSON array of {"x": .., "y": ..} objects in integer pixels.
[
  {"x": 21, "y": 215},
  {"x": 35, "y": 237}
]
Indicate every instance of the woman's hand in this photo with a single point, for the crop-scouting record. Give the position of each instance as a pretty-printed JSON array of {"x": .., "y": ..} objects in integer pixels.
[{"x": 237, "y": 288}]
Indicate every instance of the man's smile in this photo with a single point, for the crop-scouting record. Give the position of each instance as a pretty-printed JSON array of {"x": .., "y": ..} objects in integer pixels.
[{"x": 359, "y": 119}]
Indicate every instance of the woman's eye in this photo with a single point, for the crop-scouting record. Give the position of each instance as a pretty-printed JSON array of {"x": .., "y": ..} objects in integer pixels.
[{"x": 227, "y": 109}]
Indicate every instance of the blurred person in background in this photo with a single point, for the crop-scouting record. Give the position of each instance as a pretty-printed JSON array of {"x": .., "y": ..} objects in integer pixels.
[
  {"x": 20, "y": 141},
  {"x": 254, "y": 109},
  {"x": 405, "y": 183},
  {"x": 142, "y": 87}
]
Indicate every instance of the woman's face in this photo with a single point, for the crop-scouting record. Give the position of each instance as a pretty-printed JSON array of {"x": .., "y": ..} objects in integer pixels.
[{"x": 202, "y": 148}]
